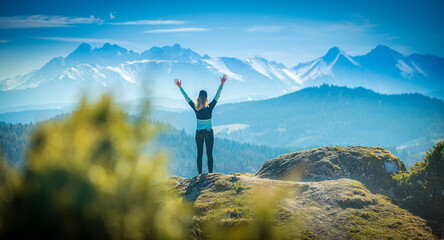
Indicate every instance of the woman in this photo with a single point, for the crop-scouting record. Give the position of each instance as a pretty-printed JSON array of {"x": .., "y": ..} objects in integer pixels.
[{"x": 204, "y": 131}]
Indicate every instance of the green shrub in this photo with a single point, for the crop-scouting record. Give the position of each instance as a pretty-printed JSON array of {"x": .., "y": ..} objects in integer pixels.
[{"x": 423, "y": 187}]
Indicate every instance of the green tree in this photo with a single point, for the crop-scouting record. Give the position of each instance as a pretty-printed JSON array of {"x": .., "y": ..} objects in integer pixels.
[{"x": 423, "y": 186}]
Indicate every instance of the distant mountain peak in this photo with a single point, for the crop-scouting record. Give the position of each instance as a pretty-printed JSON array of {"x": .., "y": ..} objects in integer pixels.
[
  {"x": 111, "y": 46},
  {"x": 336, "y": 54},
  {"x": 177, "y": 45},
  {"x": 56, "y": 59},
  {"x": 382, "y": 47},
  {"x": 257, "y": 59},
  {"x": 113, "y": 49},
  {"x": 334, "y": 50},
  {"x": 332, "y": 54},
  {"x": 174, "y": 52},
  {"x": 83, "y": 47},
  {"x": 107, "y": 45},
  {"x": 83, "y": 53},
  {"x": 384, "y": 51}
]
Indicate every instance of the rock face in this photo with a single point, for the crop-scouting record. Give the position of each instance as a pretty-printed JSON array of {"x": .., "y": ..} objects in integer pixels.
[
  {"x": 365, "y": 164},
  {"x": 322, "y": 193}
]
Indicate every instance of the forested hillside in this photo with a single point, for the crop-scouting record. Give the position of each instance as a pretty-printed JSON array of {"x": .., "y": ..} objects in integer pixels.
[
  {"x": 13, "y": 140},
  {"x": 229, "y": 156},
  {"x": 406, "y": 124},
  {"x": 330, "y": 115}
]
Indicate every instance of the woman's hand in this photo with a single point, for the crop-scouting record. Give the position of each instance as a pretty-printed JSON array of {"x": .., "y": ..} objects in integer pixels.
[
  {"x": 178, "y": 83},
  {"x": 223, "y": 79}
]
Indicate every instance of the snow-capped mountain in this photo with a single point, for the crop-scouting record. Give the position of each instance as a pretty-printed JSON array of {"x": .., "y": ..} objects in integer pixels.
[
  {"x": 382, "y": 69},
  {"x": 130, "y": 75},
  {"x": 335, "y": 59}
]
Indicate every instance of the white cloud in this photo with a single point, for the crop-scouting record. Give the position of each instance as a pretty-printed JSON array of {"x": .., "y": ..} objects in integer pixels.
[
  {"x": 265, "y": 28},
  {"x": 176, "y": 30},
  {"x": 111, "y": 16},
  {"x": 4, "y": 41},
  {"x": 151, "y": 22},
  {"x": 42, "y": 21},
  {"x": 88, "y": 40}
]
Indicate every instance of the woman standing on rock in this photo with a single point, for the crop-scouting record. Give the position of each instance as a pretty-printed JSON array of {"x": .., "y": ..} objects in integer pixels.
[{"x": 204, "y": 129}]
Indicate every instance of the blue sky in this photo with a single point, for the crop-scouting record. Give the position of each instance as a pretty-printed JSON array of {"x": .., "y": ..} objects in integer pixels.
[{"x": 33, "y": 32}]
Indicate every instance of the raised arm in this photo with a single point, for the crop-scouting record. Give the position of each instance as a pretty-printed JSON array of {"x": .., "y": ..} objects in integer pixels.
[
  {"x": 222, "y": 81},
  {"x": 179, "y": 84}
]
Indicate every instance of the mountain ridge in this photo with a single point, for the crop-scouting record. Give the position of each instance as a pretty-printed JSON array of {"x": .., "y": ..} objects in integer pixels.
[
  {"x": 309, "y": 117},
  {"x": 328, "y": 115},
  {"x": 108, "y": 68}
]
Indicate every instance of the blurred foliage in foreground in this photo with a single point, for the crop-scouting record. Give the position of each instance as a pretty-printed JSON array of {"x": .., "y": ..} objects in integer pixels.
[{"x": 87, "y": 177}]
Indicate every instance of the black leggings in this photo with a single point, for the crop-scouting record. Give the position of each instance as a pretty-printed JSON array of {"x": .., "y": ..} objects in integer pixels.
[{"x": 207, "y": 136}]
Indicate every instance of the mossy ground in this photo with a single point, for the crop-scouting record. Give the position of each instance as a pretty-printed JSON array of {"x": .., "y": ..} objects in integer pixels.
[
  {"x": 330, "y": 209},
  {"x": 373, "y": 216},
  {"x": 225, "y": 200},
  {"x": 383, "y": 222},
  {"x": 230, "y": 203}
]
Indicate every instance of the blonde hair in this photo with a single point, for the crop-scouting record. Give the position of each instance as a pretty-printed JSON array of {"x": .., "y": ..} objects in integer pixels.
[{"x": 200, "y": 103}]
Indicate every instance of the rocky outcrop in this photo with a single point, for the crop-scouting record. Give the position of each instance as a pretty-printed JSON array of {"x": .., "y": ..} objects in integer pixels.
[
  {"x": 322, "y": 192},
  {"x": 365, "y": 164},
  {"x": 325, "y": 209}
]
